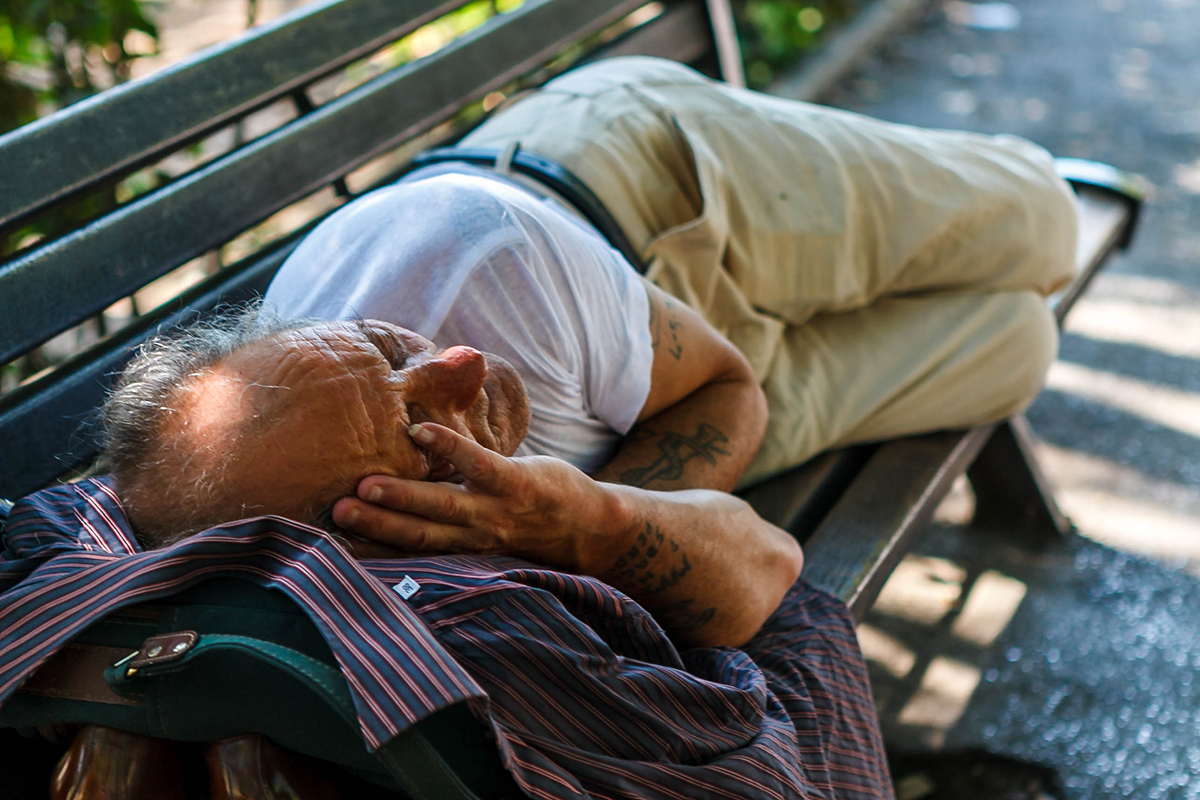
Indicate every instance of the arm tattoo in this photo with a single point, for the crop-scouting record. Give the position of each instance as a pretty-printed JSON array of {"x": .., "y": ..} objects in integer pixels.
[
  {"x": 634, "y": 571},
  {"x": 674, "y": 451},
  {"x": 665, "y": 328},
  {"x": 655, "y": 563}
]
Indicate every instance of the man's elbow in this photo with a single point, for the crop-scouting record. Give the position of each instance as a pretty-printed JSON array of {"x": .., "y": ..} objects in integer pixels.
[
  {"x": 741, "y": 372},
  {"x": 793, "y": 563},
  {"x": 787, "y": 565},
  {"x": 749, "y": 404},
  {"x": 763, "y": 596}
]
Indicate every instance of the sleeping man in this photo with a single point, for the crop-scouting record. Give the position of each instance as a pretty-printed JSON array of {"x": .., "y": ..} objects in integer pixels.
[
  {"x": 487, "y": 378},
  {"x": 893, "y": 284},
  {"x": 813, "y": 278},
  {"x": 247, "y": 418}
]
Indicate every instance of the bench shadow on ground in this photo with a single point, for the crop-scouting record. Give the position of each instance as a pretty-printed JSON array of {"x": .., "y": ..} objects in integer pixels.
[
  {"x": 1139, "y": 362},
  {"x": 1059, "y": 669},
  {"x": 1081, "y": 424}
]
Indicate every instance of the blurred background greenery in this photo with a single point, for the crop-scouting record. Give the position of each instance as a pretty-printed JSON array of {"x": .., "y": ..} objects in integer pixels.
[
  {"x": 774, "y": 33},
  {"x": 55, "y": 52}
]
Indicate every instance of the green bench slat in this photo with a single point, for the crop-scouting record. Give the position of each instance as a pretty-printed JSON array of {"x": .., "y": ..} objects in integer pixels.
[
  {"x": 132, "y": 124},
  {"x": 44, "y": 427},
  {"x": 682, "y": 34},
  {"x": 874, "y": 522},
  {"x": 82, "y": 273},
  {"x": 798, "y": 499}
]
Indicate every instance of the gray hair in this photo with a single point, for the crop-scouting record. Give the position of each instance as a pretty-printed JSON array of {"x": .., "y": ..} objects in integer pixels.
[{"x": 137, "y": 412}]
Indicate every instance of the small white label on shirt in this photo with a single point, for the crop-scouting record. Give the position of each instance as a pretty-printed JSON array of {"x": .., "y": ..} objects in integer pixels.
[{"x": 407, "y": 587}]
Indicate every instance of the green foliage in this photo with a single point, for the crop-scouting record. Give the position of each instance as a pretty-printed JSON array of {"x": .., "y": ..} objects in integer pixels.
[
  {"x": 437, "y": 34},
  {"x": 774, "y": 33},
  {"x": 54, "y": 52},
  {"x": 18, "y": 104}
]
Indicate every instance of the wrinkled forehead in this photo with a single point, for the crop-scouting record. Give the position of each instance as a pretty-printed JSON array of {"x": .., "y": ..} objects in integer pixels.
[
  {"x": 341, "y": 338},
  {"x": 275, "y": 371},
  {"x": 274, "y": 359},
  {"x": 322, "y": 338},
  {"x": 303, "y": 376},
  {"x": 335, "y": 342}
]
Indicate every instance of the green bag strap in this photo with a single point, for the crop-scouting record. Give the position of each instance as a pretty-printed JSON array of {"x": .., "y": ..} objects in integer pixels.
[{"x": 415, "y": 764}]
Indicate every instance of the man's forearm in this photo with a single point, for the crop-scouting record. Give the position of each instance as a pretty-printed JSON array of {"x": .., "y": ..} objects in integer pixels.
[
  {"x": 705, "y": 414},
  {"x": 702, "y": 562}
]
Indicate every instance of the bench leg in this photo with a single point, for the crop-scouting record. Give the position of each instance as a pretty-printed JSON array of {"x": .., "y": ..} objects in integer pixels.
[{"x": 1010, "y": 490}]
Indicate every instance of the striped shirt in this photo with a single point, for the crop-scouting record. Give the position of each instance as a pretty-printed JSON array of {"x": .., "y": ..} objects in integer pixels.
[{"x": 585, "y": 692}]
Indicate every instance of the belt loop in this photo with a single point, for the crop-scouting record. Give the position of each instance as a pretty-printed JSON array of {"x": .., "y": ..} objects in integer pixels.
[{"x": 504, "y": 157}]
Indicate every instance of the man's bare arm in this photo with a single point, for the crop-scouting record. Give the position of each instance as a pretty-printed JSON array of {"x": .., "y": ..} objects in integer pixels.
[
  {"x": 705, "y": 415},
  {"x": 656, "y": 521},
  {"x": 705, "y": 564},
  {"x": 708, "y": 568}
]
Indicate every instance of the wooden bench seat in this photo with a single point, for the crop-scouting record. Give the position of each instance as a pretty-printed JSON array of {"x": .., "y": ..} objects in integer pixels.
[{"x": 857, "y": 510}]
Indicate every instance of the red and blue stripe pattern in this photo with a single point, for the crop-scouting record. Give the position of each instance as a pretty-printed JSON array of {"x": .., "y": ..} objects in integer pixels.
[{"x": 585, "y": 692}]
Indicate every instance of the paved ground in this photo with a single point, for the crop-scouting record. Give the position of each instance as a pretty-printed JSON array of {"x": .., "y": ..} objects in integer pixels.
[{"x": 1077, "y": 660}]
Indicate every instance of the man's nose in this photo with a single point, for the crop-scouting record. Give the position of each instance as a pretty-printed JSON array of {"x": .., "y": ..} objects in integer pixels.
[{"x": 451, "y": 380}]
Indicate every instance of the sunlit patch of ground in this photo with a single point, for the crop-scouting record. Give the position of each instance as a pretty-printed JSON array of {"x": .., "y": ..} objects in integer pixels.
[{"x": 1119, "y": 503}]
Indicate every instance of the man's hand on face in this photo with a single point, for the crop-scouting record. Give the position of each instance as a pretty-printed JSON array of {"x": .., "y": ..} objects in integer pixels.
[
  {"x": 701, "y": 561},
  {"x": 535, "y": 507}
]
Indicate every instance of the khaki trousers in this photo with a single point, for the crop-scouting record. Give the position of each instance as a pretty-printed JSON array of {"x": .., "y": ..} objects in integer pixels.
[{"x": 882, "y": 279}]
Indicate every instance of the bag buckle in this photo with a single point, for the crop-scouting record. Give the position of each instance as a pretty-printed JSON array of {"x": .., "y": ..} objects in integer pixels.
[{"x": 158, "y": 650}]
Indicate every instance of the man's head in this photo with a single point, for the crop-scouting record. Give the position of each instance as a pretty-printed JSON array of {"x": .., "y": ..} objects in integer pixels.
[{"x": 245, "y": 417}]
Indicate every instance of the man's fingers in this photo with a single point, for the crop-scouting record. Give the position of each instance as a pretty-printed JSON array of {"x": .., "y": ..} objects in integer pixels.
[
  {"x": 473, "y": 461},
  {"x": 440, "y": 502},
  {"x": 405, "y": 532}
]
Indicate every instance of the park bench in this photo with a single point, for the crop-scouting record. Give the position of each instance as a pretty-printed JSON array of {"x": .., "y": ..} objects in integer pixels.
[{"x": 857, "y": 510}]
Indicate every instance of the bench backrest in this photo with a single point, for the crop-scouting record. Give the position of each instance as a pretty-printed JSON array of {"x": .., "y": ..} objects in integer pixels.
[{"x": 84, "y": 151}]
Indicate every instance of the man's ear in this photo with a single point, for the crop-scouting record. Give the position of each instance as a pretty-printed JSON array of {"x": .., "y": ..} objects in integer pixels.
[{"x": 508, "y": 388}]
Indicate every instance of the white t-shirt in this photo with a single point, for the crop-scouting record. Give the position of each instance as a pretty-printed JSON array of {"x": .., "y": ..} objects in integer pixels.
[{"x": 462, "y": 256}]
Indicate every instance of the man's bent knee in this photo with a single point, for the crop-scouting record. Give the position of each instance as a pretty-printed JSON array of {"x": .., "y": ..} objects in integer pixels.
[
  {"x": 1031, "y": 345},
  {"x": 1051, "y": 205}
]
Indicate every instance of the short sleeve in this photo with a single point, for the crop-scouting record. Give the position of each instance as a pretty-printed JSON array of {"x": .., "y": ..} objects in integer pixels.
[{"x": 572, "y": 316}]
